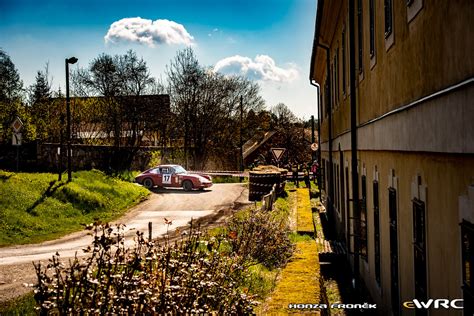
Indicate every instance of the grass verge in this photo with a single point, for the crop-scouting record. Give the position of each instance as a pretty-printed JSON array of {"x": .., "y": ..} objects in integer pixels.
[
  {"x": 23, "y": 305},
  {"x": 225, "y": 179},
  {"x": 299, "y": 281},
  {"x": 35, "y": 207},
  {"x": 304, "y": 216}
]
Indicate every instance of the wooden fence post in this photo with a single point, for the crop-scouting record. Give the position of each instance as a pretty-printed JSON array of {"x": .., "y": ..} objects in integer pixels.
[{"x": 150, "y": 231}]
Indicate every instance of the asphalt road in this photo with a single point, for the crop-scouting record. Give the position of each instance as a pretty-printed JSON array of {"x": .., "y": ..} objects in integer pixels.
[{"x": 175, "y": 205}]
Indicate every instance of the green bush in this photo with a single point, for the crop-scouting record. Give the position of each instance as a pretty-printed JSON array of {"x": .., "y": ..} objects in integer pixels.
[
  {"x": 260, "y": 237},
  {"x": 126, "y": 175},
  {"x": 155, "y": 158},
  {"x": 225, "y": 179}
]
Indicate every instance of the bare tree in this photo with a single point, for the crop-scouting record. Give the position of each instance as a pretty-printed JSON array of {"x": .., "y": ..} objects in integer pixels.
[
  {"x": 119, "y": 80},
  {"x": 184, "y": 80},
  {"x": 282, "y": 115},
  {"x": 207, "y": 107}
]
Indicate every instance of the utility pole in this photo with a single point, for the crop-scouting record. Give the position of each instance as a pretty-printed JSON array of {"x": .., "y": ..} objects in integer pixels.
[{"x": 71, "y": 60}]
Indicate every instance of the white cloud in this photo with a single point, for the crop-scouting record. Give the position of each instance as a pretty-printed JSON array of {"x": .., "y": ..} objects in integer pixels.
[
  {"x": 263, "y": 68},
  {"x": 148, "y": 32}
]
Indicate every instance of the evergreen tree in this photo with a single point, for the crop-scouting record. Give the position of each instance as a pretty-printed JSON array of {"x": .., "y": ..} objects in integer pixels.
[{"x": 11, "y": 88}]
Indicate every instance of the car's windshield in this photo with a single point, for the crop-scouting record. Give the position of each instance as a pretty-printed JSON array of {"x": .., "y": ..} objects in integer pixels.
[{"x": 179, "y": 169}]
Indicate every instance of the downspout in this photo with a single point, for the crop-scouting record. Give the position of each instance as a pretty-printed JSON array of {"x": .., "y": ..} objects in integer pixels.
[
  {"x": 355, "y": 180},
  {"x": 331, "y": 180},
  {"x": 315, "y": 84},
  {"x": 319, "y": 15}
]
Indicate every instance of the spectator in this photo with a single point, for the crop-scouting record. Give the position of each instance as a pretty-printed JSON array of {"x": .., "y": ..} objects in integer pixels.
[
  {"x": 306, "y": 178},
  {"x": 314, "y": 170},
  {"x": 295, "y": 175}
]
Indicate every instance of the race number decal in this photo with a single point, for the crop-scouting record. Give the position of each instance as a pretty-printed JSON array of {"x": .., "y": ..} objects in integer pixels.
[{"x": 167, "y": 179}]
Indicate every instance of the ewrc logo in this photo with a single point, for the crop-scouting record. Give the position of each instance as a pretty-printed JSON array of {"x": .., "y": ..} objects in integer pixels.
[{"x": 435, "y": 303}]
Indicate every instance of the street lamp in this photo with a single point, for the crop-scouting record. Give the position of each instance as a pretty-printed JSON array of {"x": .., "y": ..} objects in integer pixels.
[
  {"x": 71, "y": 60},
  {"x": 241, "y": 139}
]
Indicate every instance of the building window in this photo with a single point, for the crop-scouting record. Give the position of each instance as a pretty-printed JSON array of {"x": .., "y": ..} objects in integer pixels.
[
  {"x": 372, "y": 27},
  {"x": 342, "y": 192},
  {"x": 467, "y": 248},
  {"x": 333, "y": 86},
  {"x": 323, "y": 174},
  {"x": 359, "y": 33},
  {"x": 336, "y": 184},
  {"x": 388, "y": 8},
  {"x": 327, "y": 175},
  {"x": 363, "y": 220},
  {"x": 336, "y": 70},
  {"x": 394, "y": 288},
  {"x": 419, "y": 251},
  {"x": 376, "y": 231},
  {"x": 343, "y": 48},
  {"x": 328, "y": 96},
  {"x": 413, "y": 8},
  {"x": 348, "y": 208}
]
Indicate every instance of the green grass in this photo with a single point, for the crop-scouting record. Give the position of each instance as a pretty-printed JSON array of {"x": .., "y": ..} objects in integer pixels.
[
  {"x": 261, "y": 281},
  {"x": 299, "y": 281},
  {"x": 127, "y": 175},
  {"x": 225, "y": 179},
  {"x": 35, "y": 207},
  {"x": 295, "y": 237},
  {"x": 23, "y": 305},
  {"x": 304, "y": 216}
]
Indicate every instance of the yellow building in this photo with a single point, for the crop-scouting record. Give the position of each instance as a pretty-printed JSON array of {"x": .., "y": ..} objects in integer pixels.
[{"x": 397, "y": 131}]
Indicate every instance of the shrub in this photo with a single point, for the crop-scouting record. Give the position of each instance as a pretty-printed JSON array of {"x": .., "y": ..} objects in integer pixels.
[
  {"x": 174, "y": 278},
  {"x": 155, "y": 158},
  {"x": 260, "y": 237}
]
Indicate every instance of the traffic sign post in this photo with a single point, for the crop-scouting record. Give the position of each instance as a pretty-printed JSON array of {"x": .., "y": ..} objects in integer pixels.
[
  {"x": 277, "y": 154},
  {"x": 16, "y": 139},
  {"x": 17, "y": 126}
]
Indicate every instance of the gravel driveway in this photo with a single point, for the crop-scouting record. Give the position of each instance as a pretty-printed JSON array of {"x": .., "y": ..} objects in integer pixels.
[{"x": 208, "y": 207}]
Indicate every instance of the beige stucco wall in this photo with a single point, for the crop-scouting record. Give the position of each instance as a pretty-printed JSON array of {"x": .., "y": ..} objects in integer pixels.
[
  {"x": 434, "y": 139},
  {"x": 446, "y": 178},
  {"x": 431, "y": 52}
]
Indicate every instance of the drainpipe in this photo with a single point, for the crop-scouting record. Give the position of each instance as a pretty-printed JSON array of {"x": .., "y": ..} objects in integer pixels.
[
  {"x": 315, "y": 84},
  {"x": 330, "y": 171},
  {"x": 355, "y": 181}
]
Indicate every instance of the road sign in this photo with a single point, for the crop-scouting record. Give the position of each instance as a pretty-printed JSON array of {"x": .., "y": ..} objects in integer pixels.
[
  {"x": 16, "y": 139},
  {"x": 17, "y": 125},
  {"x": 278, "y": 153},
  {"x": 314, "y": 146}
]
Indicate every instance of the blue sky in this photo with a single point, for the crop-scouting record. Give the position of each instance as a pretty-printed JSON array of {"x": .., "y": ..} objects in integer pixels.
[{"x": 267, "y": 40}]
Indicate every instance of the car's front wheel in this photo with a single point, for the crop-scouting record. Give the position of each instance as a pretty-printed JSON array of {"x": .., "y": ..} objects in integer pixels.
[
  {"x": 148, "y": 183},
  {"x": 187, "y": 185}
]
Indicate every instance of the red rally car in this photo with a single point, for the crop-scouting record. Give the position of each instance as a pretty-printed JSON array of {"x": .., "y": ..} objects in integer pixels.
[{"x": 173, "y": 176}]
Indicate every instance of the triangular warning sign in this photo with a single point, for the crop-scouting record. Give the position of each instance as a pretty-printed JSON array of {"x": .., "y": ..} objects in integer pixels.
[{"x": 278, "y": 153}]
